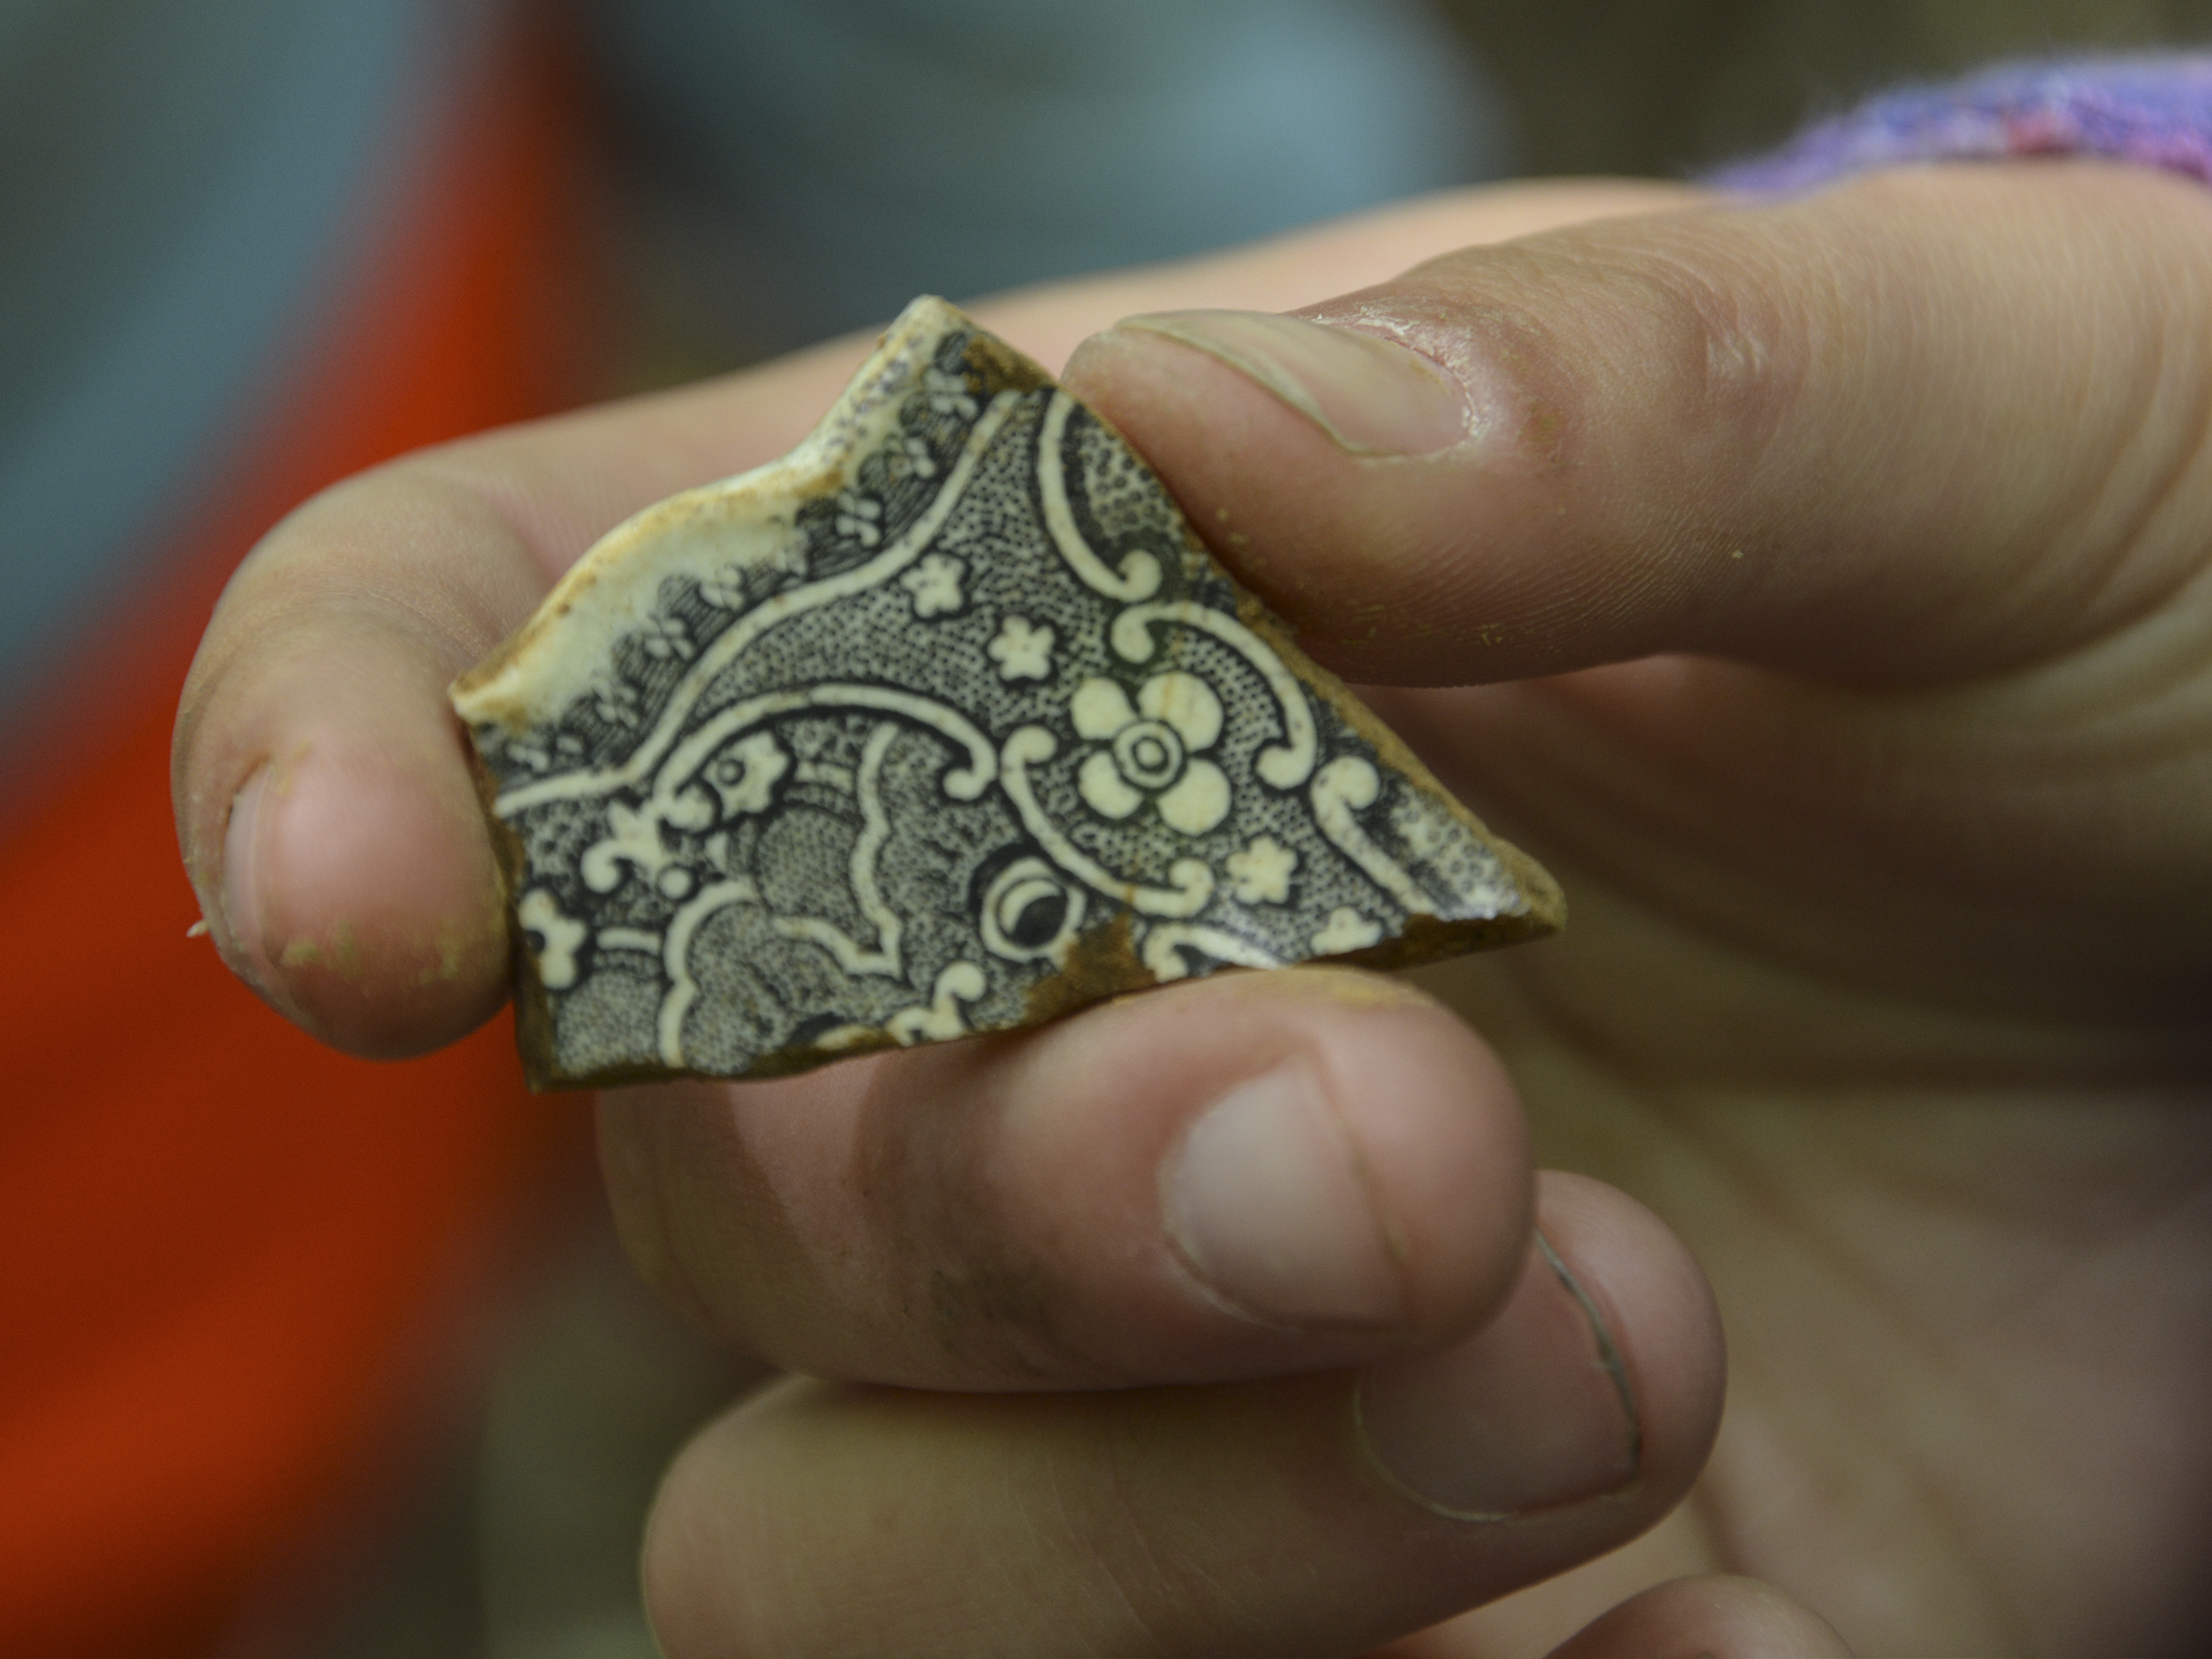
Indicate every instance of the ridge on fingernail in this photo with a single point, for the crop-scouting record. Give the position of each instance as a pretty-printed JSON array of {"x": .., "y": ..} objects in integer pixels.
[
  {"x": 1533, "y": 1411},
  {"x": 1268, "y": 1208},
  {"x": 1373, "y": 396}
]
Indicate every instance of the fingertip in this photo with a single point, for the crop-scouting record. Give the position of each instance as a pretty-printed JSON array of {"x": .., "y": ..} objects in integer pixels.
[
  {"x": 361, "y": 901},
  {"x": 1595, "y": 1388},
  {"x": 1375, "y": 1175},
  {"x": 1710, "y": 1616},
  {"x": 1441, "y": 1140},
  {"x": 686, "y": 1555},
  {"x": 1333, "y": 1155},
  {"x": 1647, "y": 1291},
  {"x": 1114, "y": 357},
  {"x": 324, "y": 804}
]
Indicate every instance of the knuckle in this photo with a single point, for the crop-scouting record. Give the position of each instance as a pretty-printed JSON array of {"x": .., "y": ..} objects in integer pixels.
[
  {"x": 1726, "y": 328},
  {"x": 1688, "y": 331}
]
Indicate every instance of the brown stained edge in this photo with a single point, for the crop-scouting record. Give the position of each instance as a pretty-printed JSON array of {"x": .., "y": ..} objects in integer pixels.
[
  {"x": 784, "y": 1062},
  {"x": 1100, "y": 970},
  {"x": 1103, "y": 964},
  {"x": 1425, "y": 939},
  {"x": 1103, "y": 967},
  {"x": 1001, "y": 366},
  {"x": 1004, "y": 369}
]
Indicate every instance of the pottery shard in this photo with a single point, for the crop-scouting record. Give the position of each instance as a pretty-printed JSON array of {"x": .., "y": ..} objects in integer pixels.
[{"x": 943, "y": 724}]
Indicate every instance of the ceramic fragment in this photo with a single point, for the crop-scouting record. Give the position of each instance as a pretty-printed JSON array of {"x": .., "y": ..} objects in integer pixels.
[{"x": 943, "y": 724}]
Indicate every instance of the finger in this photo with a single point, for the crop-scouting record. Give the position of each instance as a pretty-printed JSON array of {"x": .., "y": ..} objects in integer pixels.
[
  {"x": 1236, "y": 1177},
  {"x": 1713, "y": 1617},
  {"x": 323, "y": 804},
  {"x": 1314, "y": 1516},
  {"x": 1930, "y": 423}
]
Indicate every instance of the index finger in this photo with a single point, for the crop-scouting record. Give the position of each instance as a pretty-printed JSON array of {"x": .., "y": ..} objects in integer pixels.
[{"x": 328, "y": 819}]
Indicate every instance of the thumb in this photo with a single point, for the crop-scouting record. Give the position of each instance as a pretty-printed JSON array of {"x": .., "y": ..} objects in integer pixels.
[{"x": 1928, "y": 424}]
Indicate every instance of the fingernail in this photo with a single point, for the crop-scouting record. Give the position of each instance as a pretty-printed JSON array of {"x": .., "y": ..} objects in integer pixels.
[
  {"x": 1532, "y": 1413},
  {"x": 1266, "y": 1204},
  {"x": 1373, "y": 396},
  {"x": 243, "y": 940}
]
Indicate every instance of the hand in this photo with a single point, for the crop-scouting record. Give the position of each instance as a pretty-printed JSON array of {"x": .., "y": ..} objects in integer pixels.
[
  {"x": 1886, "y": 977},
  {"x": 1925, "y": 1112}
]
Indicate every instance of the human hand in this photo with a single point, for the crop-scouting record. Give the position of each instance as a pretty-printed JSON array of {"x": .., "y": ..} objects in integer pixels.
[
  {"x": 990, "y": 1216},
  {"x": 1887, "y": 975}
]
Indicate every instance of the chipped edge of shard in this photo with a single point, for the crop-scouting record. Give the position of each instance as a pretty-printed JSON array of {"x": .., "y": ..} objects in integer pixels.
[{"x": 867, "y": 408}]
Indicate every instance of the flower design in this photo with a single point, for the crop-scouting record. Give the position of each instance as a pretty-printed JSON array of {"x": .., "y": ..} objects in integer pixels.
[
  {"x": 1261, "y": 874},
  {"x": 935, "y": 585},
  {"x": 725, "y": 589},
  {"x": 1150, "y": 751},
  {"x": 745, "y": 775},
  {"x": 617, "y": 705},
  {"x": 860, "y": 517},
  {"x": 665, "y": 636},
  {"x": 1023, "y": 649},
  {"x": 1345, "y": 930},
  {"x": 948, "y": 394},
  {"x": 912, "y": 460}
]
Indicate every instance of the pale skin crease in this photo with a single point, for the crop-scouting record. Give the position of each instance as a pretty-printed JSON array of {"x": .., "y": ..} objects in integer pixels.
[{"x": 1884, "y": 986}]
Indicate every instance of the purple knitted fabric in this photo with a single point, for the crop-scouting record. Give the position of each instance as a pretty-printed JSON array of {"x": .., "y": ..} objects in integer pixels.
[{"x": 2153, "y": 111}]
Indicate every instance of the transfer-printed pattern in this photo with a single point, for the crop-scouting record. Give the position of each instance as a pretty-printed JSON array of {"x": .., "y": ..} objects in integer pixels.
[{"x": 986, "y": 736}]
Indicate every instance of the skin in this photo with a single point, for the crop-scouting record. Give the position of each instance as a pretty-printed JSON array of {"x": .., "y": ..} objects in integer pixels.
[{"x": 1823, "y": 595}]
